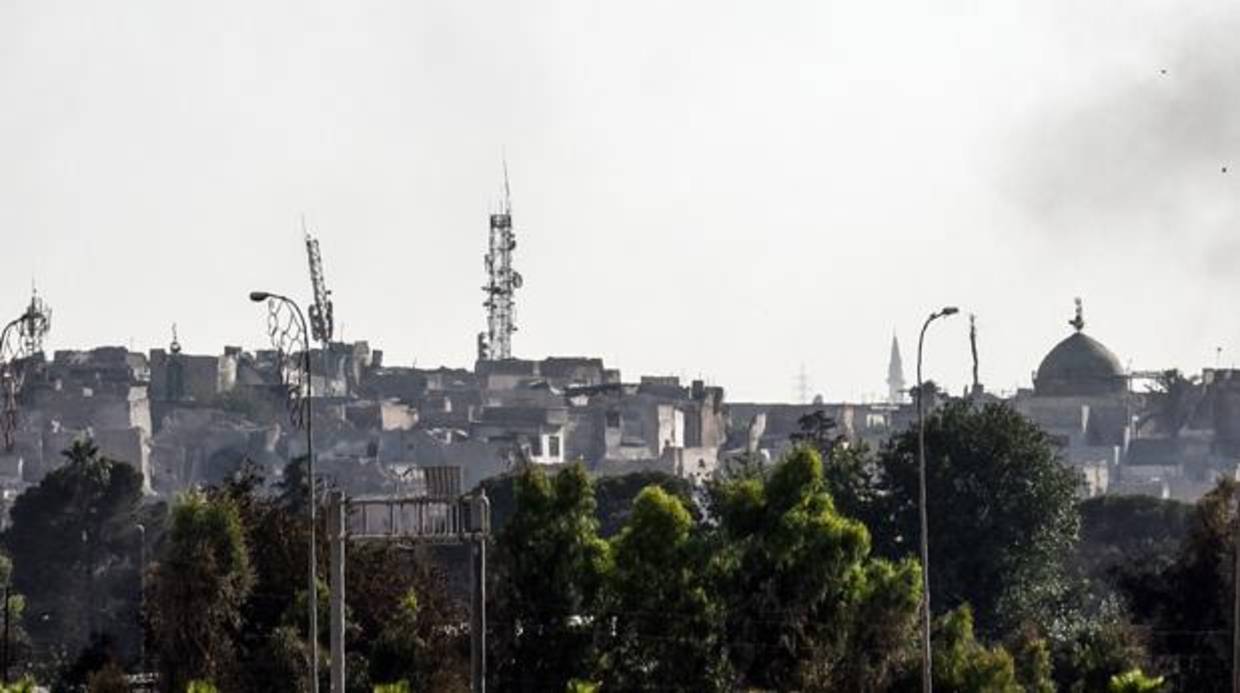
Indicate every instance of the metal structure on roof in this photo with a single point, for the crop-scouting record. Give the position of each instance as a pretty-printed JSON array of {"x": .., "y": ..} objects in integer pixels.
[
  {"x": 321, "y": 311},
  {"x": 502, "y": 284},
  {"x": 30, "y": 328},
  {"x": 35, "y": 324}
]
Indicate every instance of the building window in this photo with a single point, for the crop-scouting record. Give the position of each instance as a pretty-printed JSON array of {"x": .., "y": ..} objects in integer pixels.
[
  {"x": 536, "y": 446},
  {"x": 613, "y": 419},
  {"x": 553, "y": 446}
]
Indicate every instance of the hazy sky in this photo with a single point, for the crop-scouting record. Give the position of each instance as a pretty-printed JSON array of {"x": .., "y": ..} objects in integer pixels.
[{"x": 707, "y": 188}]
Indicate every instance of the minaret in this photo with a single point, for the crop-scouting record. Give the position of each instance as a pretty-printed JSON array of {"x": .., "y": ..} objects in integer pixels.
[
  {"x": 895, "y": 374},
  {"x": 502, "y": 283}
]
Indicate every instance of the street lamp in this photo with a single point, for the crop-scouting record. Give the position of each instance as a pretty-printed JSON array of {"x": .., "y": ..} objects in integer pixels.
[
  {"x": 141, "y": 593},
  {"x": 926, "y": 684},
  {"x": 303, "y": 395}
]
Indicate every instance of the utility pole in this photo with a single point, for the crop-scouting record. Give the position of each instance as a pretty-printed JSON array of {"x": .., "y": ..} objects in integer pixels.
[
  {"x": 285, "y": 334},
  {"x": 480, "y": 509},
  {"x": 5, "y": 664},
  {"x": 141, "y": 597},
  {"x": 926, "y": 672},
  {"x": 1235, "y": 610},
  {"x": 336, "y": 534}
]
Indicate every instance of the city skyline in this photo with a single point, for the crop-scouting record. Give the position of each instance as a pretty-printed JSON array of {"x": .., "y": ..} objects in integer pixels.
[{"x": 730, "y": 208}]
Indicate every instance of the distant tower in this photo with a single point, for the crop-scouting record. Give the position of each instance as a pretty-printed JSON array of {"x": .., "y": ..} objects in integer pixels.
[
  {"x": 321, "y": 321},
  {"x": 34, "y": 325},
  {"x": 895, "y": 374},
  {"x": 502, "y": 283},
  {"x": 977, "y": 384},
  {"x": 802, "y": 386}
]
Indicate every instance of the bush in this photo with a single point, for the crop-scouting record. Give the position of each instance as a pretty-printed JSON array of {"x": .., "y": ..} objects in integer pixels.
[
  {"x": 109, "y": 679},
  {"x": 1134, "y": 682},
  {"x": 26, "y": 685}
]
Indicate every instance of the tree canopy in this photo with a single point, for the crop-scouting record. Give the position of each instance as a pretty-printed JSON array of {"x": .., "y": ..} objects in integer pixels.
[
  {"x": 1002, "y": 513},
  {"x": 75, "y": 547}
]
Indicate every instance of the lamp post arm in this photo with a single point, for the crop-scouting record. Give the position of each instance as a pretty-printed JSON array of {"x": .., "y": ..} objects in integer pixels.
[
  {"x": 312, "y": 593},
  {"x": 926, "y": 671},
  {"x": 4, "y": 335}
]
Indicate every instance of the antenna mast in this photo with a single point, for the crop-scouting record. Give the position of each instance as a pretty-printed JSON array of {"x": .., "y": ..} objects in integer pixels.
[
  {"x": 35, "y": 324},
  {"x": 977, "y": 385},
  {"x": 502, "y": 284},
  {"x": 321, "y": 311}
]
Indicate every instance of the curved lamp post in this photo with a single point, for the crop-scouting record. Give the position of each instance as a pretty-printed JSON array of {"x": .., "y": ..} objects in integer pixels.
[
  {"x": 312, "y": 595},
  {"x": 9, "y": 383},
  {"x": 926, "y": 685}
]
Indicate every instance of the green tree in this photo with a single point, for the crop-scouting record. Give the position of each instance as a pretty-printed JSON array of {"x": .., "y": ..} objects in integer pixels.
[
  {"x": 963, "y": 665},
  {"x": 1031, "y": 659},
  {"x": 848, "y": 468},
  {"x": 1171, "y": 402},
  {"x": 1097, "y": 648},
  {"x": 198, "y": 592},
  {"x": 109, "y": 679},
  {"x": 1123, "y": 536},
  {"x": 663, "y": 626},
  {"x": 807, "y": 608},
  {"x": 1002, "y": 514},
  {"x": 548, "y": 570},
  {"x": 400, "y": 648},
  {"x": 1189, "y": 603},
  {"x": 615, "y": 496},
  {"x": 74, "y": 546},
  {"x": 1135, "y": 681},
  {"x": 404, "y": 620}
]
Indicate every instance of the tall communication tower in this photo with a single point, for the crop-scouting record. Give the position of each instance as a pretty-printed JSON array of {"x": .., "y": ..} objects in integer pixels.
[
  {"x": 502, "y": 283},
  {"x": 321, "y": 311},
  {"x": 34, "y": 325}
]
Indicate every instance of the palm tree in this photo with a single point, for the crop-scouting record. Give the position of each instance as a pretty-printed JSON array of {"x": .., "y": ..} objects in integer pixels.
[{"x": 1171, "y": 402}]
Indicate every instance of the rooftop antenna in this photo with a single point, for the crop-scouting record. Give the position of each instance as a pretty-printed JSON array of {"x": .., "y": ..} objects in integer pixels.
[
  {"x": 321, "y": 311},
  {"x": 802, "y": 385},
  {"x": 977, "y": 385},
  {"x": 175, "y": 346},
  {"x": 35, "y": 323},
  {"x": 502, "y": 283},
  {"x": 507, "y": 192}
]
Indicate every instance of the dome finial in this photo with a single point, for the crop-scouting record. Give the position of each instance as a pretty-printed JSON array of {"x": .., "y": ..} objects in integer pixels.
[{"x": 1079, "y": 321}]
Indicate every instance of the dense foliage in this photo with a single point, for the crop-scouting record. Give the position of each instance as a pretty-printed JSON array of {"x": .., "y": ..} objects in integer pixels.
[
  {"x": 75, "y": 545},
  {"x": 1002, "y": 514},
  {"x": 796, "y": 574}
]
